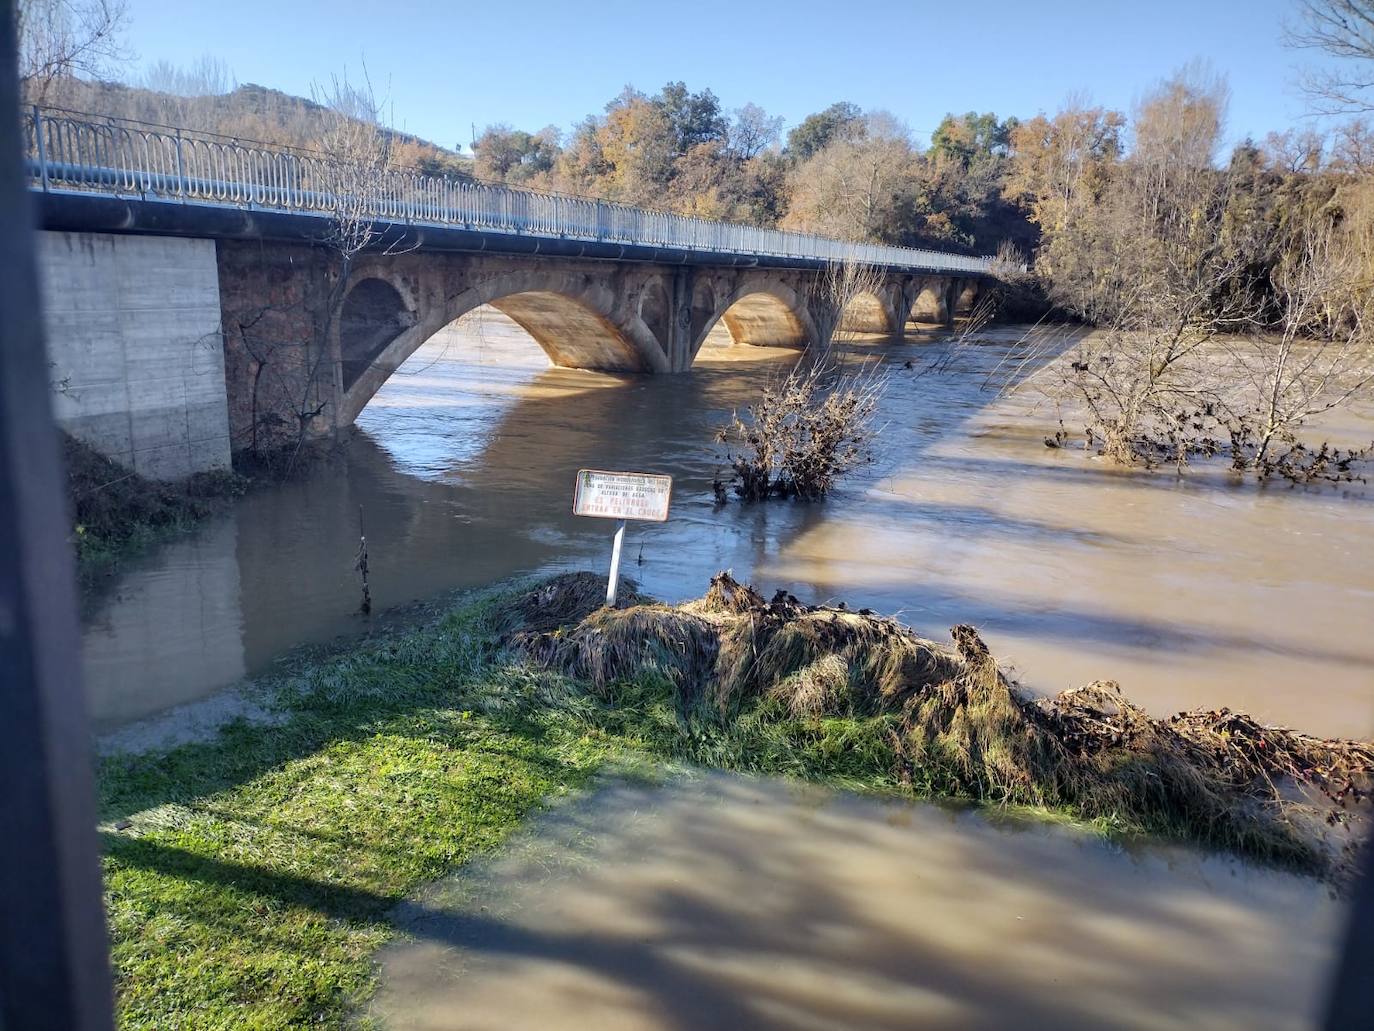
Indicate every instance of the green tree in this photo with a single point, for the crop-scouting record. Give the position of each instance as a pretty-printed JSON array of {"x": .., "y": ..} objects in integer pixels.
[
  {"x": 692, "y": 118},
  {"x": 965, "y": 139},
  {"x": 841, "y": 121},
  {"x": 512, "y": 155}
]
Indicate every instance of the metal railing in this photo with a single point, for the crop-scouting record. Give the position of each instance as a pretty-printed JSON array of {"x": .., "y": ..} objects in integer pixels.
[{"x": 70, "y": 152}]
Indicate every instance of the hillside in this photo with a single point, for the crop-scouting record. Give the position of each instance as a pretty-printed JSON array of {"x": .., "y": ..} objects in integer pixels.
[{"x": 248, "y": 112}]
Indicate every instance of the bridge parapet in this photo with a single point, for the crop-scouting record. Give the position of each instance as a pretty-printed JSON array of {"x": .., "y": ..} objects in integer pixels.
[{"x": 75, "y": 153}]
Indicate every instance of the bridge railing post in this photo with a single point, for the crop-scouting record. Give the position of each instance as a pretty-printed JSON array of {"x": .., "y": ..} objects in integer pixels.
[
  {"x": 181, "y": 170},
  {"x": 38, "y": 130}
]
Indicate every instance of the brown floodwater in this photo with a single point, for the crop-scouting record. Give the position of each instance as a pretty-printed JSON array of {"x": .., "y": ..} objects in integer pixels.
[
  {"x": 724, "y": 902},
  {"x": 1191, "y": 591},
  {"x": 717, "y": 901}
]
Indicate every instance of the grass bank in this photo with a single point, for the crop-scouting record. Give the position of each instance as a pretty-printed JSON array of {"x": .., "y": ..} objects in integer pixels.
[
  {"x": 117, "y": 513},
  {"x": 248, "y": 878}
]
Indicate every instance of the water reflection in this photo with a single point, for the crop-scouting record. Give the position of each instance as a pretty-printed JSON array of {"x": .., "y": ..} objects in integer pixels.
[
  {"x": 174, "y": 616},
  {"x": 726, "y": 902},
  {"x": 1190, "y": 592}
]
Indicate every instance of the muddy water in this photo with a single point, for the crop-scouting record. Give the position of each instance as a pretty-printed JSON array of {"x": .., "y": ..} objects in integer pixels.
[
  {"x": 1189, "y": 591},
  {"x": 718, "y": 901}
]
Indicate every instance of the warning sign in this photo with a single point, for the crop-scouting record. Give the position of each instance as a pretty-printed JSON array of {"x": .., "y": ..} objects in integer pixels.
[{"x": 608, "y": 495}]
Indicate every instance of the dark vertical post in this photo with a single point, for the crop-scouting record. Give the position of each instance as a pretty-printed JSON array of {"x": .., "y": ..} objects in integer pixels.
[
  {"x": 181, "y": 171},
  {"x": 1351, "y": 1004},
  {"x": 41, "y": 145},
  {"x": 54, "y": 967}
]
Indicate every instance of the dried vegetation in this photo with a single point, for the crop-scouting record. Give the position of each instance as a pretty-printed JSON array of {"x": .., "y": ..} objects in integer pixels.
[{"x": 952, "y": 722}]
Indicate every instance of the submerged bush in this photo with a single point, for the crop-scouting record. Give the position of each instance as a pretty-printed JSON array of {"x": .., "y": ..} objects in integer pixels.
[
  {"x": 803, "y": 433},
  {"x": 114, "y": 509}
]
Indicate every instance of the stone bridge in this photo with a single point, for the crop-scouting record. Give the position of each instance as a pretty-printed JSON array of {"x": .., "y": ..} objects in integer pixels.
[
  {"x": 585, "y": 314},
  {"x": 193, "y": 316}
]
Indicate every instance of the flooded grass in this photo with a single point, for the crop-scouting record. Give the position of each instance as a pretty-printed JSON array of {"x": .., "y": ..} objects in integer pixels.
[{"x": 249, "y": 878}]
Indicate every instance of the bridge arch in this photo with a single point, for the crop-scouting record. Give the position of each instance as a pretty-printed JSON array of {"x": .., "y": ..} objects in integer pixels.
[
  {"x": 762, "y": 314},
  {"x": 868, "y": 312},
  {"x": 373, "y": 314},
  {"x": 579, "y": 321},
  {"x": 933, "y": 300}
]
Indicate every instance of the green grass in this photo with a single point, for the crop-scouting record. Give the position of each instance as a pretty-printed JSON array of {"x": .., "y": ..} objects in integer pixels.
[
  {"x": 249, "y": 878},
  {"x": 251, "y": 884},
  {"x": 117, "y": 513}
]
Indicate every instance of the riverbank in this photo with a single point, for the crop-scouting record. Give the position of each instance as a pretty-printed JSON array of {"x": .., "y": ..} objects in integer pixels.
[
  {"x": 116, "y": 513},
  {"x": 250, "y": 876}
]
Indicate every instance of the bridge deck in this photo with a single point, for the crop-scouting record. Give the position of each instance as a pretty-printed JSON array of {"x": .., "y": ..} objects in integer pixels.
[{"x": 77, "y": 161}]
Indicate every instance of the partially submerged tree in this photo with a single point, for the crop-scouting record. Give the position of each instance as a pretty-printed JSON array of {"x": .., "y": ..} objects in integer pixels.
[
  {"x": 296, "y": 367},
  {"x": 1223, "y": 321},
  {"x": 805, "y": 431},
  {"x": 811, "y": 427},
  {"x": 1315, "y": 359}
]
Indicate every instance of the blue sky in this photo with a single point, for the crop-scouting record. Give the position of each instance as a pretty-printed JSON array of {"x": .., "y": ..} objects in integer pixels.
[{"x": 447, "y": 64}]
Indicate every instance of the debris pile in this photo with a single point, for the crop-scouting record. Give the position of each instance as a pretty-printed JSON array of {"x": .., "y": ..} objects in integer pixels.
[{"x": 961, "y": 726}]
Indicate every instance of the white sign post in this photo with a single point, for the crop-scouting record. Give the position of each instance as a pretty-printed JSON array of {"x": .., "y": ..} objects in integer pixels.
[{"x": 621, "y": 496}]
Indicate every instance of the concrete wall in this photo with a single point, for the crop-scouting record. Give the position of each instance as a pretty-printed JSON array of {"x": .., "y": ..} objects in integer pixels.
[{"x": 135, "y": 348}]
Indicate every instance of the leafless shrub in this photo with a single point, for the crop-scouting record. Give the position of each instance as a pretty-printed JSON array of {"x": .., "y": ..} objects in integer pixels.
[
  {"x": 814, "y": 425},
  {"x": 845, "y": 288},
  {"x": 804, "y": 432}
]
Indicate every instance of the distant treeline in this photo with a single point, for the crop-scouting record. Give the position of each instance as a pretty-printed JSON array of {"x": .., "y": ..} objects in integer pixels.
[{"x": 1078, "y": 195}]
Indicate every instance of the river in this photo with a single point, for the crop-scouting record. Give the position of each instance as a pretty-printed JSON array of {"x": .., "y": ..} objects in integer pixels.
[
  {"x": 1191, "y": 591},
  {"x": 716, "y": 901}
]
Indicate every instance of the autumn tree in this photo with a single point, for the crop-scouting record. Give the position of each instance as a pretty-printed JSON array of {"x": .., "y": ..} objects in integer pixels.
[
  {"x": 504, "y": 154},
  {"x": 858, "y": 189},
  {"x": 971, "y": 138},
  {"x": 1060, "y": 165}
]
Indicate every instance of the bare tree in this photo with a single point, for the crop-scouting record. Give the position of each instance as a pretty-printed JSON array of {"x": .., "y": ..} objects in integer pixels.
[
  {"x": 208, "y": 76},
  {"x": 1201, "y": 358},
  {"x": 355, "y": 167},
  {"x": 358, "y": 161},
  {"x": 64, "y": 39},
  {"x": 859, "y": 189},
  {"x": 753, "y": 131},
  {"x": 850, "y": 290},
  {"x": 1314, "y": 359},
  {"x": 1343, "y": 29},
  {"x": 816, "y": 424}
]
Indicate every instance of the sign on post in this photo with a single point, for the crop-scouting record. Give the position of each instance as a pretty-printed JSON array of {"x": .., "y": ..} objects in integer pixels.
[{"x": 621, "y": 496}]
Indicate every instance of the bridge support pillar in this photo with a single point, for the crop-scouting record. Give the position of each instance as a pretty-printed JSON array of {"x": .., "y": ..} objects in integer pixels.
[
  {"x": 678, "y": 345},
  {"x": 934, "y": 302},
  {"x": 965, "y": 296}
]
